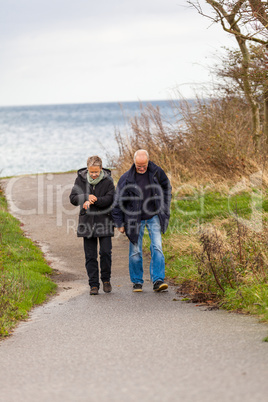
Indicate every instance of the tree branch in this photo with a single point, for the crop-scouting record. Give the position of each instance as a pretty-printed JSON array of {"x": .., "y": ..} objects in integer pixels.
[{"x": 259, "y": 10}]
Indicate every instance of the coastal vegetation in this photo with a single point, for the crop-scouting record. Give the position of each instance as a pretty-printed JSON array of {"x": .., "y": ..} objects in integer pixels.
[
  {"x": 216, "y": 245},
  {"x": 24, "y": 273},
  {"x": 214, "y": 150}
]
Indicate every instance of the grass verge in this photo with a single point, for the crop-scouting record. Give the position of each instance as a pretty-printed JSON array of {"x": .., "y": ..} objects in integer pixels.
[
  {"x": 24, "y": 273},
  {"x": 216, "y": 249}
]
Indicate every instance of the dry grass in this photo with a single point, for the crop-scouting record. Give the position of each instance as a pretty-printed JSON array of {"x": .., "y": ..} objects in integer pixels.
[
  {"x": 184, "y": 244},
  {"x": 209, "y": 141},
  {"x": 233, "y": 255}
]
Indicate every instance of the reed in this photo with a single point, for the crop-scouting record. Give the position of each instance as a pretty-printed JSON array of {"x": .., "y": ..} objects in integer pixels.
[{"x": 206, "y": 140}]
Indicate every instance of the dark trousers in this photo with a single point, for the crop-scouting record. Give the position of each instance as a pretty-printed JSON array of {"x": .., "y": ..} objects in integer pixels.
[{"x": 105, "y": 252}]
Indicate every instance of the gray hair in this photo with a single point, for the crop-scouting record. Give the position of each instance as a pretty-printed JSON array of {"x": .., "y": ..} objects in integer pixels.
[
  {"x": 141, "y": 151},
  {"x": 94, "y": 161}
]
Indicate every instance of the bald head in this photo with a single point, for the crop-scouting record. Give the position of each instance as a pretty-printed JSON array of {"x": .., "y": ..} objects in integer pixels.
[
  {"x": 141, "y": 160},
  {"x": 141, "y": 152}
]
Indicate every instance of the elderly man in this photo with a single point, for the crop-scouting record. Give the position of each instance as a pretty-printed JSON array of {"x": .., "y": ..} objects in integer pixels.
[{"x": 142, "y": 199}]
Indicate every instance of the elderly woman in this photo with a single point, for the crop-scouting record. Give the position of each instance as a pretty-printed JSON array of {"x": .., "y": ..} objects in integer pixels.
[{"x": 94, "y": 190}]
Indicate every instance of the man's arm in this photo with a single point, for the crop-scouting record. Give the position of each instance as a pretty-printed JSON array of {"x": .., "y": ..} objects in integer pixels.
[{"x": 167, "y": 190}]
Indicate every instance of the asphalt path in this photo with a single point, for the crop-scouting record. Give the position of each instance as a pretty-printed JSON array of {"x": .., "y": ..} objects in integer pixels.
[{"x": 122, "y": 346}]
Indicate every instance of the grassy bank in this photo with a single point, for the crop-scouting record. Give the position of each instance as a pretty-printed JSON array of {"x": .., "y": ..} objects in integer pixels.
[
  {"x": 216, "y": 249},
  {"x": 24, "y": 274}
]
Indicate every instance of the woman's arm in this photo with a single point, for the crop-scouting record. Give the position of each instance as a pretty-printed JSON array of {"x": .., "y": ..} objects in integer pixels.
[
  {"x": 78, "y": 196},
  {"x": 107, "y": 199}
]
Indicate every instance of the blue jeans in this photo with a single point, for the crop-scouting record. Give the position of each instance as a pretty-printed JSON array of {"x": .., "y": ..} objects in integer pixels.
[{"x": 157, "y": 264}]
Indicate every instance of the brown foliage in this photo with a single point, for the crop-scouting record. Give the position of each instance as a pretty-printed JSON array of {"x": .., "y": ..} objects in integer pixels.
[
  {"x": 234, "y": 257},
  {"x": 207, "y": 140}
]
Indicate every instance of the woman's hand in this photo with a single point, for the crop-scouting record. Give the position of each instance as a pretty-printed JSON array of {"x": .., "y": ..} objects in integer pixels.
[
  {"x": 92, "y": 198},
  {"x": 86, "y": 205}
]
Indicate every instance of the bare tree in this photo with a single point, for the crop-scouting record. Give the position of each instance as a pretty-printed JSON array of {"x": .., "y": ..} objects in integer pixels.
[
  {"x": 247, "y": 20},
  {"x": 259, "y": 10},
  {"x": 229, "y": 70}
]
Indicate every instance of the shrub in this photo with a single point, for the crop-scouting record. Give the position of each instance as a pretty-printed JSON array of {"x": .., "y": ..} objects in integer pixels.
[
  {"x": 233, "y": 257},
  {"x": 207, "y": 140}
]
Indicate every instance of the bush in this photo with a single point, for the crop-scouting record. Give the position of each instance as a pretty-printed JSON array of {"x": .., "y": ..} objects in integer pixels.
[{"x": 207, "y": 140}]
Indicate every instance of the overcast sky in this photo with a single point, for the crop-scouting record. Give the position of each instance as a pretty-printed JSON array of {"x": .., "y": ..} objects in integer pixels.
[{"x": 72, "y": 51}]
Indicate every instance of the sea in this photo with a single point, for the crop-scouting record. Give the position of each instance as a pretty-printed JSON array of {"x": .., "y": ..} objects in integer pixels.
[{"x": 60, "y": 138}]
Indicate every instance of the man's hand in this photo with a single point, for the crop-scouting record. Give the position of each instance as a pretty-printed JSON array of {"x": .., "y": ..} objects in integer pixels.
[{"x": 122, "y": 229}]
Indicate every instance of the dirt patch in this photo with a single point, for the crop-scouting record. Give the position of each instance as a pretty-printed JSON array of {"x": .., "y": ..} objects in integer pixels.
[{"x": 190, "y": 292}]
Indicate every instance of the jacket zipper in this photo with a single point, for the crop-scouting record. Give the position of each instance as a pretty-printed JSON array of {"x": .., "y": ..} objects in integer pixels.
[{"x": 94, "y": 224}]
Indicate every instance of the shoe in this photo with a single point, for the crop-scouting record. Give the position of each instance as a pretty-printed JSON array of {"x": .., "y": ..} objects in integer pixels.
[
  {"x": 159, "y": 286},
  {"x": 137, "y": 287},
  {"x": 94, "y": 290},
  {"x": 107, "y": 287}
]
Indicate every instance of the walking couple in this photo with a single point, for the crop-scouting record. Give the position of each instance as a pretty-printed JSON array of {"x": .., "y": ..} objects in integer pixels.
[{"x": 142, "y": 199}]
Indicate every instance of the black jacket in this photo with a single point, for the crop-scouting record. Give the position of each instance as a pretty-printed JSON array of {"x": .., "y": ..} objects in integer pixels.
[
  {"x": 95, "y": 221},
  {"x": 127, "y": 204}
]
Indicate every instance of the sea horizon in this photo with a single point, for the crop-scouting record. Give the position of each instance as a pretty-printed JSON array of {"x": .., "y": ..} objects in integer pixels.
[
  {"x": 60, "y": 137},
  {"x": 146, "y": 101}
]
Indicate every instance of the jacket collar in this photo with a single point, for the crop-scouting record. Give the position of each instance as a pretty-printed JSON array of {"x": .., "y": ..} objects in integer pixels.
[
  {"x": 152, "y": 167},
  {"x": 131, "y": 174}
]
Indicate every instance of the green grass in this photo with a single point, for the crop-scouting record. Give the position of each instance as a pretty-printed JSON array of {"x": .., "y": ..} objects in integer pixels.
[
  {"x": 251, "y": 299},
  {"x": 205, "y": 207},
  {"x": 24, "y": 273}
]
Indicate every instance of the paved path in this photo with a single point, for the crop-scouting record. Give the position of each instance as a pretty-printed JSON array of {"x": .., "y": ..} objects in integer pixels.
[{"x": 120, "y": 346}]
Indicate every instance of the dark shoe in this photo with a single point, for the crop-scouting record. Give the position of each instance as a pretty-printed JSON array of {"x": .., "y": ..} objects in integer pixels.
[
  {"x": 94, "y": 290},
  {"x": 137, "y": 287},
  {"x": 107, "y": 287},
  {"x": 159, "y": 286}
]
